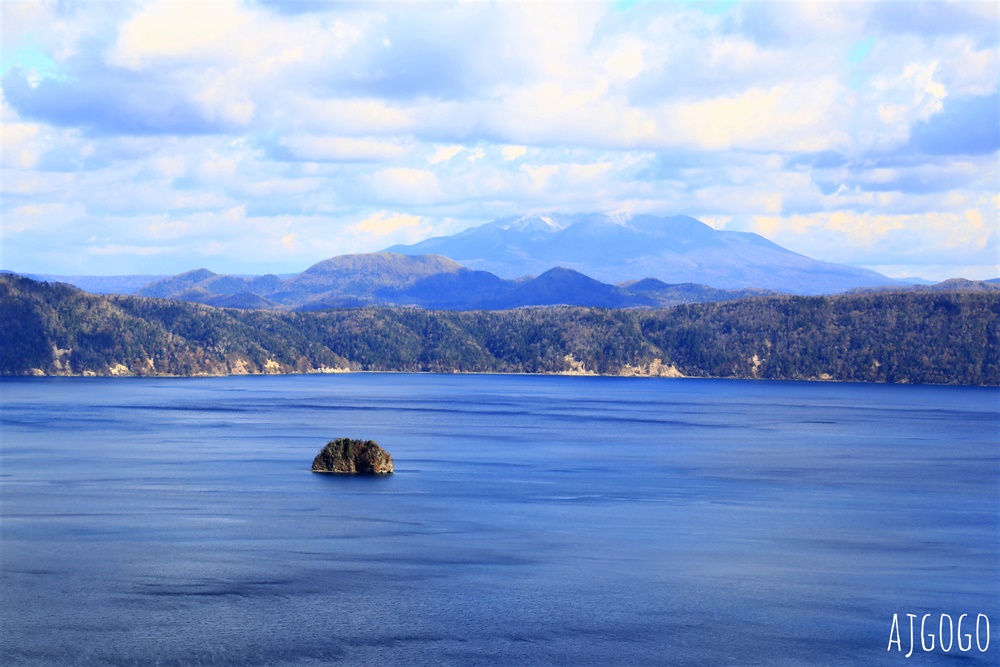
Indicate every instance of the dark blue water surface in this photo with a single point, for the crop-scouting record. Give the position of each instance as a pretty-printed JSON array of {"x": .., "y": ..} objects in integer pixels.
[{"x": 531, "y": 521}]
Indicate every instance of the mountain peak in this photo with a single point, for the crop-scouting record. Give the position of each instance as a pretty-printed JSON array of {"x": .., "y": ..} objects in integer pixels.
[
  {"x": 360, "y": 276},
  {"x": 545, "y": 223},
  {"x": 174, "y": 284},
  {"x": 197, "y": 274},
  {"x": 618, "y": 247},
  {"x": 383, "y": 262}
]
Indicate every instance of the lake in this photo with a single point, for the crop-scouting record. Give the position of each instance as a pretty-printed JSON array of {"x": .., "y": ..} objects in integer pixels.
[{"x": 531, "y": 521}]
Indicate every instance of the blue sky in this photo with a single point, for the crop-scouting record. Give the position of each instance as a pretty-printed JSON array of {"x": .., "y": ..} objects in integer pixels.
[{"x": 264, "y": 136}]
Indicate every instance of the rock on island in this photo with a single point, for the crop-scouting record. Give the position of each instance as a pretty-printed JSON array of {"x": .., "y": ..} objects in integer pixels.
[{"x": 344, "y": 455}]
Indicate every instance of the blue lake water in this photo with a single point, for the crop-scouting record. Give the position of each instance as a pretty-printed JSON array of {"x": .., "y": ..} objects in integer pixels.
[{"x": 531, "y": 521}]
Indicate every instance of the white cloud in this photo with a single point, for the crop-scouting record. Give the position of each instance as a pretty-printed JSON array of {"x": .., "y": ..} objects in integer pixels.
[
  {"x": 54, "y": 29},
  {"x": 383, "y": 224},
  {"x": 625, "y": 62},
  {"x": 545, "y": 40},
  {"x": 511, "y": 153},
  {"x": 800, "y": 117},
  {"x": 588, "y": 173},
  {"x": 913, "y": 95},
  {"x": 736, "y": 55},
  {"x": 18, "y": 144},
  {"x": 539, "y": 176},
  {"x": 181, "y": 30},
  {"x": 117, "y": 250},
  {"x": 364, "y": 116},
  {"x": 880, "y": 239},
  {"x": 343, "y": 149},
  {"x": 219, "y": 165},
  {"x": 968, "y": 68},
  {"x": 169, "y": 166},
  {"x": 553, "y": 113},
  {"x": 224, "y": 100},
  {"x": 284, "y": 186},
  {"x": 309, "y": 122},
  {"x": 444, "y": 153},
  {"x": 225, "y": 33},
  {"x": 405, "y": 186},
  {"x": 31, "y": 216}
]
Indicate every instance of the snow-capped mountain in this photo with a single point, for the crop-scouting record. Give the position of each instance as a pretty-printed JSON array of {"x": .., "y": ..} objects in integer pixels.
[{"x": 613, "y": 249}]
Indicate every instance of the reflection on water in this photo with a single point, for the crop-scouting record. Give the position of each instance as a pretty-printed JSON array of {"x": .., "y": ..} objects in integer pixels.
[{"x": 531, "y": 520}]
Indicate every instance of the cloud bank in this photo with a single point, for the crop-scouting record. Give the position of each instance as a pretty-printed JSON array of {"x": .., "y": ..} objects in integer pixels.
[{"x": 265, "y": 136}]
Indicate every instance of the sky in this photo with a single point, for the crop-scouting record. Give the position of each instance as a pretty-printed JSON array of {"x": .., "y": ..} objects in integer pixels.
[{"x": 257, "y": 136}]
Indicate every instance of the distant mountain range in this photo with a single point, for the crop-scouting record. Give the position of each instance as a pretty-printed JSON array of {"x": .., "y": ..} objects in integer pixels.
[
  {"x": 538, "y": 260},
  {"x": 96, "y": 284},
  {"x": 677, "y": 249},
  {"x": 427, "y": 281}
]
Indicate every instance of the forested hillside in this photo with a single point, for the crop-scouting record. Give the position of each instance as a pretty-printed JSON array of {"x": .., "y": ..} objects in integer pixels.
[{"x": 920, "y": 337}]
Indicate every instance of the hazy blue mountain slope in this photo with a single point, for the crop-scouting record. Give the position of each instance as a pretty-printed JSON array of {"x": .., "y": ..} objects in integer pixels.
[
  {"x": 667, "y": 295},
  {"x": 362, "y": 274},
  {"x": 179, "y": 284},
  {"x": 357, "y": 278},
  {"x": 454, "y": 290},
  {"x": 98, "y": 284},
  {"x": 472, "y": 290},
  {"x": 677, "y": 249},
  {"x": 427, "y": 281},
  {"x": 347, "y": 280},
  {"x": 564, "y": 286}
]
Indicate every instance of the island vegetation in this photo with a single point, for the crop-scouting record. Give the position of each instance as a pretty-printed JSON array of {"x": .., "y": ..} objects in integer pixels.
[
  {"x": 348, "y": 456},
  {"x": 939, "y": 337}
]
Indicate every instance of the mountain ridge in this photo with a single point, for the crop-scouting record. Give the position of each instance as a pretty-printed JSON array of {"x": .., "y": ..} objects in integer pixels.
[
  {"x": 117, "y": 284},
  {"x": 385, "y": 279},
  {"x": 618, "y": 261},
  {"x": 425, "y": 281},
  {"x": 613, "y": 249}
]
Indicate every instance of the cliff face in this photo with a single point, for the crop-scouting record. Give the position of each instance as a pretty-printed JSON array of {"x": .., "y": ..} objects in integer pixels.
[{"x": 344, "y": 455}]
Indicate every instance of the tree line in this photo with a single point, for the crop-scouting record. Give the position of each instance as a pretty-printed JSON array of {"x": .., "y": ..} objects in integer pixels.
[{"x": 916, "y": 337}]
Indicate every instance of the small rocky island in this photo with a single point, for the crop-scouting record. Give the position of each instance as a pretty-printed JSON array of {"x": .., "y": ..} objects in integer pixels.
[{"x": 344, "y": 455}]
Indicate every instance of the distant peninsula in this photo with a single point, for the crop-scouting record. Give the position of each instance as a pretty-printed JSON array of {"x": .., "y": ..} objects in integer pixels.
[{"x": 943, "y": 334}]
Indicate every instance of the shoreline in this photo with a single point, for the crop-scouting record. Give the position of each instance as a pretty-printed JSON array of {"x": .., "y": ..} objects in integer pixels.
[{"x": 812, "y": 380}]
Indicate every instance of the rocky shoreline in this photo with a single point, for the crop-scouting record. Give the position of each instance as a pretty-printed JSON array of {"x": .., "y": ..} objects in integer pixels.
[{"x": 347, "y": 456}]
